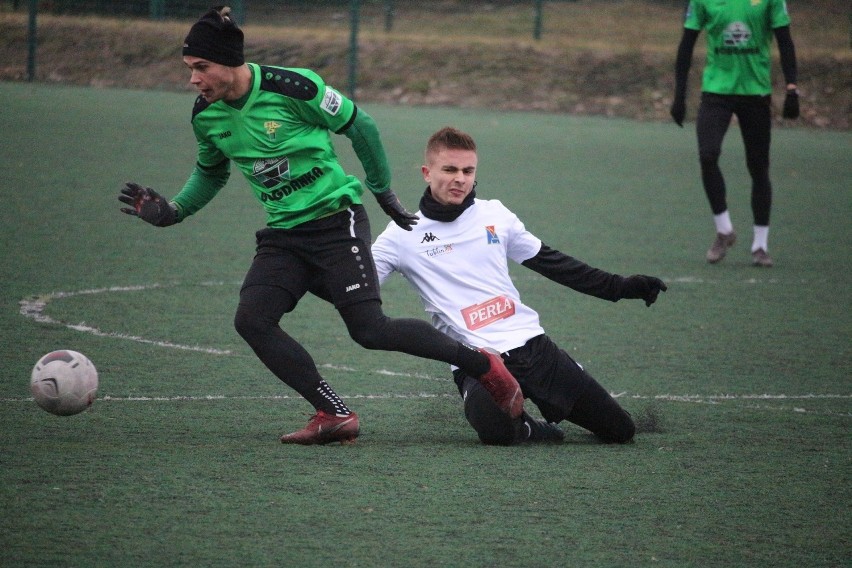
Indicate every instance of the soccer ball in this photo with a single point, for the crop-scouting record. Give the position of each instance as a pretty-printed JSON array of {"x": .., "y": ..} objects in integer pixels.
[{"x": 64, "y": 382}]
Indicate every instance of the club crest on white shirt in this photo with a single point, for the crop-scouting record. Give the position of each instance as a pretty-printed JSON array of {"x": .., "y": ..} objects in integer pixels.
[{"x": 491, "y": 234}]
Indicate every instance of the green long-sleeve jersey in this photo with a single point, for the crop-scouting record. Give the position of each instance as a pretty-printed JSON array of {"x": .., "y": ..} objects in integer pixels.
[
  {"x": 279, "y": 136},
  {"x": 739, "y": 35}
]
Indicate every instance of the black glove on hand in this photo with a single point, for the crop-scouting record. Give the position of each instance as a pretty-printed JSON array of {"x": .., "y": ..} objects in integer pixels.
[
  {"x": 643, "y": 288},
  {"x": 390, "y": 204},
  {"x": 791, "y": 104},
  {"x": 148, "y": 205},
  {"x": 678, "y": 111}
]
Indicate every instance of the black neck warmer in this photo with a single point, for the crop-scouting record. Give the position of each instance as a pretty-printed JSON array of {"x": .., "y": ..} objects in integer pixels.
[{"x": 444, "y": 213}]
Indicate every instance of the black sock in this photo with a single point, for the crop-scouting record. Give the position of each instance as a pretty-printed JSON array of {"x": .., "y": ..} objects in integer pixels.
[{"x": 328, "y": 401}]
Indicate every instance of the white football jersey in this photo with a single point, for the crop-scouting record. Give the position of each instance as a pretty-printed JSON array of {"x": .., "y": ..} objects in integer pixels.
[{"x": 460, "y": 270}]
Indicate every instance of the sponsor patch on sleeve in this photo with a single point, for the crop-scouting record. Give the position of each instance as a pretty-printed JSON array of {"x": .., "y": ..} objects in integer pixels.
[{"x": 331, "y": 101}]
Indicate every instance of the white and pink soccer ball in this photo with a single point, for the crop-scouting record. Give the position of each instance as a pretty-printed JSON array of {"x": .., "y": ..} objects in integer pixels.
[{"x": 64, "y": 382}]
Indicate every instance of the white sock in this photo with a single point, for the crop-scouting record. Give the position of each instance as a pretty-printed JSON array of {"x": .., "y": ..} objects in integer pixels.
[
  {"x": 761, "y": 238},
  {"x": 723, "y": 223}
]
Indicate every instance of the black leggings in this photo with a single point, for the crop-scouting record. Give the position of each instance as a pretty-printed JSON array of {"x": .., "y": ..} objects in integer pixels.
[
  {"x": 330, "y": 258},
  {"x": 557, "y": 385},
  {"x": 262, "y": 307},
  {"x": 755, "y": 119},
  {"x": 595, "y": 410}
]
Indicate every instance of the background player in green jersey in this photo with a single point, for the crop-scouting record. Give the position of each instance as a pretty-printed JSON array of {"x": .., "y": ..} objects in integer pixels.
[
  {"x": 274, "y": 124},
  {"x": 736, "y": 81}
]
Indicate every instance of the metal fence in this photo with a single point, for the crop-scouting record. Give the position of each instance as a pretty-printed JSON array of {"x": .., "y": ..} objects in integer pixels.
[
  {"x": 274, "y": 11},
  {"x": 350, "y": 13}
]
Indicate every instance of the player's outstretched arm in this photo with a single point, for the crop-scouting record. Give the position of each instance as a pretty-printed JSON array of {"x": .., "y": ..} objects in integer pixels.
[
  {"x": 576, "y": 274},
  {"x": 148, "y": 205},
  {"x": 581, "y": 277}
]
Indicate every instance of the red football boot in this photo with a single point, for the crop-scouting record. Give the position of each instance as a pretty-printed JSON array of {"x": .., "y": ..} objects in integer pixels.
[
  {"x": 325, "y": 428},
  {"x": 502, "y": 386}
]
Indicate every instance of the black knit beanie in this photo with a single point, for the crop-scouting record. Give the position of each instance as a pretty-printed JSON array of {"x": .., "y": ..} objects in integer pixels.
[{"x": 216, "y": 37}]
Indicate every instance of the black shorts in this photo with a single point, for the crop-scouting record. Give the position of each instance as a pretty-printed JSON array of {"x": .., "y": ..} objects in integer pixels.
[
  {"x": 328, "y": 257},
  {"x": 558, "y": 386},
  {"x": 548, "y": 376}
]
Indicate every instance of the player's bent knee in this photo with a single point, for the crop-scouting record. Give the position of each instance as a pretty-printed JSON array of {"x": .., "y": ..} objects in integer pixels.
[
  {"x": 260, "y": 309},
  {"x": 626, "y": 434},
  {"x": 367, "y": 325},
  {"x": 621, "y": 432},
  {"x": 493, "y": 426},
  {"x": 368, "y": 337},
  {"x": 244, "y": 326},
  {"x": 249, "y": 325}
]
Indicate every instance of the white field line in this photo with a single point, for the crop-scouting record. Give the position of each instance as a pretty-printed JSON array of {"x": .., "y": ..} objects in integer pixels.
[
  {"x": 690, "y": 398},
  {"x": 33, "y": 307},
  {"x": 696, "y": 398},
  {"x": 717, "y": 398},
  {"x": 725, "y": 398},
  {"x": 216, "y": 397}
]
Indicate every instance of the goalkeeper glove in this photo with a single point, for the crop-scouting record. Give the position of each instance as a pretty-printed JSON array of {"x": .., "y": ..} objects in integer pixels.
[
  {"x": 643, "y": 288},
  {"x": 148, "y": 205},
  {"x": 791, "y": 104},
  {"x": 390, "y": 204}
]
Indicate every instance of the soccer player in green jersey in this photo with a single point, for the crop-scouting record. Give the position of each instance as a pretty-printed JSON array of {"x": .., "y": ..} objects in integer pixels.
[
  {"x": 274, "y": 124},
  {"x": 736, "y": 81}
]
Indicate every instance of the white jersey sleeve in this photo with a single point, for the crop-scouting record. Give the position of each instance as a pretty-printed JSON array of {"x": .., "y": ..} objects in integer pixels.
[
  {"x": 385, "y": 253},
  {"x": 460, "y": 270}
]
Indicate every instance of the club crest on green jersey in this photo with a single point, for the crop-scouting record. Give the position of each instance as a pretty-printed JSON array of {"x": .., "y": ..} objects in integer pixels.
[
  {"x": 737, "y": 34},
  {"x": 271, "y": 172},
  {"x": 271, "y": 128}
]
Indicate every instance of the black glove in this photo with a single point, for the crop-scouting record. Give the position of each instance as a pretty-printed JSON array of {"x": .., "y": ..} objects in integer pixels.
[
  {"x": 390, "y": 204},
  {"x": 148, "y": 205},
  {"x": 642, "y": 287},
  {"x": 791, "y": 104},
  {"x": 678, "y": 111}
]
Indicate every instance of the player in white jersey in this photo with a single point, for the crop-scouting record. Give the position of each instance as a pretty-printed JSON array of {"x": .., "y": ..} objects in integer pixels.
[{"x": 457, "y": 260}]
